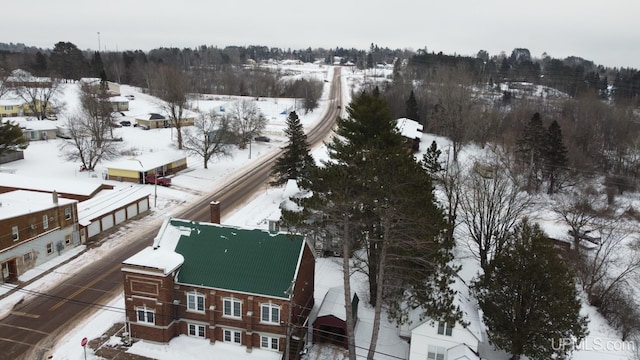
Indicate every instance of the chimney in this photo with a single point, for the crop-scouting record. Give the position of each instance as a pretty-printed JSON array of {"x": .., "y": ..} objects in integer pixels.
[
  {"x": 214, "y": 206},
  {"x": 55, "y": 197}
]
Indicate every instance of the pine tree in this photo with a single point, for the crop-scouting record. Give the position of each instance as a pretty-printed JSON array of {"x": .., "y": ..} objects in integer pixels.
[
  {"x": 529, "y": 299},
  {"x": 373, "y": 194},
  {"x": 430, "y": 159},
  {"x": 296, "y": 161},
  {"x": 11, "y": 138},
  {"x": 555, "y": 156},
  {"x": 412, "y": 108}
]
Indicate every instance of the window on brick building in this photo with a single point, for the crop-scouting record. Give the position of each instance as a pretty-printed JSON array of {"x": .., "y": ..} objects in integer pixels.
[
  {"x": 146, "y": 315},
  {"x": 195, "y": 302},
  {"x": 270, "y": 313},
  {"x": 196, "y": 330},
  {"x": 232, "y": 307}
]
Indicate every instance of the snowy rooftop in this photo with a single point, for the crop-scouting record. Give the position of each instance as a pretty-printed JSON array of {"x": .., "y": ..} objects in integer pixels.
[
  {"x": 409, "y": 128},
  {"x": 49, "y": 184},
  {"x": 30, "y": 123},
  {"x": 161, "y": 257},
  {"x": 333, "y": 303},
  {"x": 19, "y": 202},
  {"x": 146, "y": 162},
  {"x": 108, "y": 201}
]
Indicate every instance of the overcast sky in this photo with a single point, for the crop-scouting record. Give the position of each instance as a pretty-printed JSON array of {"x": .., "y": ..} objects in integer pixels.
[{"x": 607, "y": 33}]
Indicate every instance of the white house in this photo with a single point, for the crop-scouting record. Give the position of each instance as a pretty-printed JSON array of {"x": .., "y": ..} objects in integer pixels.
[{"x": 437, "y": 340}]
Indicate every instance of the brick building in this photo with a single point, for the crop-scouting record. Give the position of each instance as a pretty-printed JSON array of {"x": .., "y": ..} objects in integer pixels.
[{"x": 241, "y": 286}]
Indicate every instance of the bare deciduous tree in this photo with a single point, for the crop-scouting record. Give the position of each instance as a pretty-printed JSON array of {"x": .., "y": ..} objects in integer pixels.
[
  {"x": 90, "y": 131},
  {"x": 455, "y": 106},
  {"x": 247, "y": 121},
  {"x": 37, "y": 93},
  {"x": 491, "y": 204},
  {"x": 208, "y": 137},
  {"x": 173, "y": 87}
]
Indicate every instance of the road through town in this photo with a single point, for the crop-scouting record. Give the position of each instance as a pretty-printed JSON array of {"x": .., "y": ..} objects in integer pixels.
[{"x": 30, "y": 331}]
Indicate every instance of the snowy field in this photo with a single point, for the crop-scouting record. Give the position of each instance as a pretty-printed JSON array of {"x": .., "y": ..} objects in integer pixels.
[{"x": 44, "y": 159}]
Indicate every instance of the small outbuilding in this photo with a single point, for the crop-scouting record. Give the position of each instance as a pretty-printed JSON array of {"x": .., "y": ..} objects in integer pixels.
[
  {"x": 330, "y": 325},
  {"x": 135, "y": 169}
]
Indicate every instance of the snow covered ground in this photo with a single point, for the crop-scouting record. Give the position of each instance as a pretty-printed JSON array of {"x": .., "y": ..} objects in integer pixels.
[{"x": 44, "y": 158}]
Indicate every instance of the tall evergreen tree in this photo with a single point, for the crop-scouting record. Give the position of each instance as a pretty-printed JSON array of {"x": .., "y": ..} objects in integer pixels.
[
  {"x": 296, "y": 162},
  {"x": 530, "y": 148},
  {"x": 555, "y": 156},
  {"x": 385, "y": 205},
  {"x": 68, "y": 62},
  {"x": 412, "y": 108},
  {"x": 529, "y": 299}
]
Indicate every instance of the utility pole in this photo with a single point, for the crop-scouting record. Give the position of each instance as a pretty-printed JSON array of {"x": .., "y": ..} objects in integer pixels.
[{"x": 98, "y": 41}]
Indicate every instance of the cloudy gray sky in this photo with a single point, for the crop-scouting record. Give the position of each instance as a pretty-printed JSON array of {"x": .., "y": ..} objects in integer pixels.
[{"x": 606, "y": 32}]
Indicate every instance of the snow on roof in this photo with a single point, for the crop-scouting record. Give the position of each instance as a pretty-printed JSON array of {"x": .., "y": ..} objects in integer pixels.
[
  {"x": 20, "y": 202},
  {"x": 109, "y": 200},
  {"x": 409, "y": 128},
  {"x": 333, "y": 303},
  {"x": 32, "y": 123},
  {"x": 146, "y": 162},
  {"x": 469, "y": 307},
  {"x": 118, "y": 99},
  {"x": 48, "y": 184},
  {"x": 11, "y": 102},
  {"x": 162, "y": 254}
]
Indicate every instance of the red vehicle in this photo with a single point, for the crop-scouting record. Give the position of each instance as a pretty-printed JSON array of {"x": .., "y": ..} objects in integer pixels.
[{"x": 159, "y": 180}]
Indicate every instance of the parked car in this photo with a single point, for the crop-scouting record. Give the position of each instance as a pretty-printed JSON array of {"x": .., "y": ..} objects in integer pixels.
[
  {"x": 144, "y": 127},
  {"x": 130, "y": 97},
  {"x": 262, "y": 138},
  {"x": 125, "y": 123},
  {"x": 116, "y": 125},
  {"x": 159, "y": 180}
]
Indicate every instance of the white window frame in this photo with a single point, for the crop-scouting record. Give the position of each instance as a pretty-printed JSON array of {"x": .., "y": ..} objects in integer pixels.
[
  {"x": 67, "y": 240},
  {"x": 67, "y": 213},
  {"x": 45, "y": 221},
  {"x": 145, "y": 318},
  {"x": 231, "y": 311},
  {"x": 445, "y": 328},
  {"x": 269, "y": 343},
  {"x": 15, "y": 233},
  {"x": 436, "y": 352},
  {"x": 49, "y": 248},
  {"x": 196, "y": 330},
  {"x": 268, "y": 310},
  {"x": 195, "y": 302},
  {"x": 232, "y": 336}
]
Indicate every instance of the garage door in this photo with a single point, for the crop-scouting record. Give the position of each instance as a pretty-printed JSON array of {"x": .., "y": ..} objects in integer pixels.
[{"x": 120, "y": 216}]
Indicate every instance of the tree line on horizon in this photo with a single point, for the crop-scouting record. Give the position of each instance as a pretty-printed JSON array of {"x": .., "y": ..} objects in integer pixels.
[{"x": 212, "y": 66}]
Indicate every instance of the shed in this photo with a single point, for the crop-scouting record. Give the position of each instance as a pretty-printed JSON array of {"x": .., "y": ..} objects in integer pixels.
[{"x": 330, "y": 324}]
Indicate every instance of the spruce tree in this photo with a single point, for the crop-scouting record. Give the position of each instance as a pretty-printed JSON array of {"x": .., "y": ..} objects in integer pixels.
[
  {"x": 555, "y": 156},
  {"x": 529, "y": 299},
  {"x": 412, "y": 108},
  {"x": 296, "y": 162}
]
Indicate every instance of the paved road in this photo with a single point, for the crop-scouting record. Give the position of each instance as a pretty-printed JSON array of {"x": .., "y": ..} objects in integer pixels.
[{"x": 31, "y": 330}]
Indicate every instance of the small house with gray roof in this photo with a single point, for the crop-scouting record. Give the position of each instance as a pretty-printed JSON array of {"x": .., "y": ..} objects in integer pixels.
[{"x": 247, "y": 287}]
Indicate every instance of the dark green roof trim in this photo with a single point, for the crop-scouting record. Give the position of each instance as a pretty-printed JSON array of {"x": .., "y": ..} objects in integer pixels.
[{"x": 250, "y": 261}]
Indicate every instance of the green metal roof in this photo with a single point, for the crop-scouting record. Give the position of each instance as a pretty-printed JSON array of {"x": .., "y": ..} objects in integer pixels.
[{"x": 251, "y": 261}]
